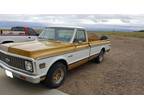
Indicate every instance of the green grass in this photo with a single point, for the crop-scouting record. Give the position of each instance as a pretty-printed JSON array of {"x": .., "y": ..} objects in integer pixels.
[{"x": 123, "y": 34}]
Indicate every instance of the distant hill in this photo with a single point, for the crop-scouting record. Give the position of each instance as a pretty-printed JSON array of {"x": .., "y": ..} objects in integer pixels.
[
  {"x": 141, "y": 31},
  {"x": 113, "y": 28}
]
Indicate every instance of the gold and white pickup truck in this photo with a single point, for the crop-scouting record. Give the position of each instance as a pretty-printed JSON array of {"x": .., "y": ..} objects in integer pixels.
[{"x": 49, "y": 58}]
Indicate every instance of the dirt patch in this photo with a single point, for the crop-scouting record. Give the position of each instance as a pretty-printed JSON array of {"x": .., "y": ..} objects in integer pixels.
[{"x": 122, "y": 71}]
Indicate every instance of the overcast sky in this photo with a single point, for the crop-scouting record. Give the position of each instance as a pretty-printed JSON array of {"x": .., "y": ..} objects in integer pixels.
[
  {"x": 116, "y": 12},
  {"x": 77, "y": 19}
]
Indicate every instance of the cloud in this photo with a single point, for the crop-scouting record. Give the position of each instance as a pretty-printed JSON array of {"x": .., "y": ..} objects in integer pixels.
[{"x": 77, "y": 19}]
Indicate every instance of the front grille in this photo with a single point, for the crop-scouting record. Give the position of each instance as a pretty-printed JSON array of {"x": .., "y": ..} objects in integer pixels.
[{"x": 13, "y": 61}]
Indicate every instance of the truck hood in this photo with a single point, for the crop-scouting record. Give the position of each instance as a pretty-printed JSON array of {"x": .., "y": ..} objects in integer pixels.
[{"x": 37, "y": 49}]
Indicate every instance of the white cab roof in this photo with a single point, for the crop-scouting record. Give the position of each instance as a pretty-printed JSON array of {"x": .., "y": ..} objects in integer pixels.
[{"x": 66, "y": 27}]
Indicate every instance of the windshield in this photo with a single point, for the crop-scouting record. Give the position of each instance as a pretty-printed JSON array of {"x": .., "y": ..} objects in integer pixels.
[{"x": 57, "y": 34}]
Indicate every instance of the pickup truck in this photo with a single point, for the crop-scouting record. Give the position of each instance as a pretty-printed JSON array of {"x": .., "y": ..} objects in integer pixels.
[
  {"x": 49, "y": 58},
  {"x": 17, "y": 34}
]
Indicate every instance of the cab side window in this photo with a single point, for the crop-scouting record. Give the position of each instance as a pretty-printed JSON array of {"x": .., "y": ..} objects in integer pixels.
[{"x": 80, "y": 36}]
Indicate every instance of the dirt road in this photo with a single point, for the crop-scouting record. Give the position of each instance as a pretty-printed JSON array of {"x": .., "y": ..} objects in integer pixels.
[{"x": 122, "y": 71}]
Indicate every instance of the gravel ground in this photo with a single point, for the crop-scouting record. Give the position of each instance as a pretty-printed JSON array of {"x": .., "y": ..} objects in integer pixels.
[
  {"x": 10, "y": 86},
  {"x": 122, "y": 71}
]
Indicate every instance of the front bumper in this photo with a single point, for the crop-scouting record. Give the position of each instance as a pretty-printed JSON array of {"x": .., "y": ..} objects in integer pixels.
[{"x": 30, "y": 78}]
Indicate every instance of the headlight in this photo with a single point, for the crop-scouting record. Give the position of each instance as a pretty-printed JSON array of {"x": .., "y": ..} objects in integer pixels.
[{"x": 28, "y": 66}]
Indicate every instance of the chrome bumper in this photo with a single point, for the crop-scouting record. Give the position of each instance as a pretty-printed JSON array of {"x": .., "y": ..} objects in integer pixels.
[{"x": 30, "y": 78}]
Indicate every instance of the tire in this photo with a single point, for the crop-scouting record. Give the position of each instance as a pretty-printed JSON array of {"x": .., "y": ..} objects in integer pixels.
[
  {"x": 56, "y": 75},
  {"x": 100, "y": 57}
]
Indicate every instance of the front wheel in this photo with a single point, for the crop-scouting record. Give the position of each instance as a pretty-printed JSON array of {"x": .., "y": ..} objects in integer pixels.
[
  {"x": 100, "y": 57},
  {"x": 56, "y": 75}
]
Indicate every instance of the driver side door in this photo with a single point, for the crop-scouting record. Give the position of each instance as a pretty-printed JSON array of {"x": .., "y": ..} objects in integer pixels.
[{"x": 81, "y": 54}]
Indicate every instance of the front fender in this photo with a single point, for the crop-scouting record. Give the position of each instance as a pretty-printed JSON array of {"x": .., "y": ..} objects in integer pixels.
[{"x": 49, "y": 62}]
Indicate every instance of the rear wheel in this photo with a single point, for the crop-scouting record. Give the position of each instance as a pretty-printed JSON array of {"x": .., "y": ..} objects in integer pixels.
[
  {"x": 56, "y": 75},
  {"x": 100, "y": 57}
]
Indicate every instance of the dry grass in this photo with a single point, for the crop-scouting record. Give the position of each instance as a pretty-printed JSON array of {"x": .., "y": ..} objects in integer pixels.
[
  {"x": 123, "y": 34},
  {"x": 120, "y": 34}
]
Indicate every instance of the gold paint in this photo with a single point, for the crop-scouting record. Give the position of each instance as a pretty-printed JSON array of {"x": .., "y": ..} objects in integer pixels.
[
  {"x": 99, "y": 42},
  {"x": 43, "y": 49},
  {"x": 80, "y": 46},
  {"x": 78, "y": 63}
]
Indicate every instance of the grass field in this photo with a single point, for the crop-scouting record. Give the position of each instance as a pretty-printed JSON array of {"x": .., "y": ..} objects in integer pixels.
[{"x": 123, "y": 34}]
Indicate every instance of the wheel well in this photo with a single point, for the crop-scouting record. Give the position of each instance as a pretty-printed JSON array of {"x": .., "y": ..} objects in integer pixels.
[
  {"x": 61, "y": 61},
  {"x": 7, "y": 42}
]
